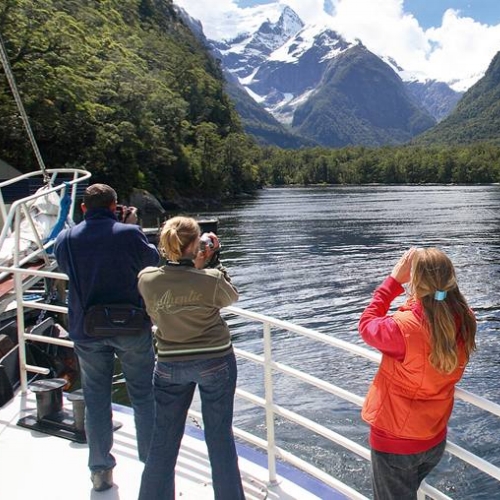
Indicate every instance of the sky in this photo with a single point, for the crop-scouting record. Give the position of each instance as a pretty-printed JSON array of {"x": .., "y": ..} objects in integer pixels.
[{"x": 448, "y": 40}]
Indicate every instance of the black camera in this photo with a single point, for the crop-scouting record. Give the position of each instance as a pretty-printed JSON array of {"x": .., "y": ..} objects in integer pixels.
[{"x": 123, "y": 212}]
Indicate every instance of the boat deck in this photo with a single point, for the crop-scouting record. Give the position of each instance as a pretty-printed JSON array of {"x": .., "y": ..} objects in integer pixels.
[{"x": 45, "y": 467}]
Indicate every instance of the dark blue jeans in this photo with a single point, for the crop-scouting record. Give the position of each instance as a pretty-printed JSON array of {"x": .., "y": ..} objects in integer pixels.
[
  {"x": 398, "y": 477},
  {"x": 174, "y": 386},
  {"x": 96, "y": 360}
]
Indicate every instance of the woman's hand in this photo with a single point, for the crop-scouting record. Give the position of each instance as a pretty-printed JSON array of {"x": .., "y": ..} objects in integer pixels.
[
  {"x": 402, "y": 270},
  {"x": 215, "y": 241},
  {"x": 203, "y": 257}
]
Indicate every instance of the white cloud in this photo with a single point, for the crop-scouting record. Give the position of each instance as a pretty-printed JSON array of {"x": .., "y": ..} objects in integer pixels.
[
  {"x": 223, "y": 19},
  {"x": 457, "y": 52},
  {"x": 462, "y": 47}
]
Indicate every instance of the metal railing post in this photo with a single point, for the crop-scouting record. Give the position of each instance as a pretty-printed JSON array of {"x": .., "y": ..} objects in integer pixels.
[
  {"x": 18, "y": 287},
  {"x": 268, "y": 387}
]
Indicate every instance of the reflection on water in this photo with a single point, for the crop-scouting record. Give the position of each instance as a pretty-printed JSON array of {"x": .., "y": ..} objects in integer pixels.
[{"x": 313, "y": 256}]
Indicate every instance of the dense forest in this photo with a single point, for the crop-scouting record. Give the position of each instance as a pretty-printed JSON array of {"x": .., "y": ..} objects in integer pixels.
[
  {"x": 475, "y": 163},
  {"x": 123, "y": 89}
]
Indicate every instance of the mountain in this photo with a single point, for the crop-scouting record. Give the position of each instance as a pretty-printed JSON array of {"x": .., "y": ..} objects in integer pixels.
[
  {"x": 256, "y": 120},
  {"x": 288, "y": 68},
  {"x": 263, "y": 126},
  {"x": 246, "y": 52},
  {"x": 477, "y": 115},
  {"x": 360, "y": 100},
  {"x": 436, "y": 97},
  {"x": 284, "y": 78}
]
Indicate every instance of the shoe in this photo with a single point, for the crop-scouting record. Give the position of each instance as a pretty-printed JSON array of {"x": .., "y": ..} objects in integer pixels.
[{"x": 102, "y": 480}]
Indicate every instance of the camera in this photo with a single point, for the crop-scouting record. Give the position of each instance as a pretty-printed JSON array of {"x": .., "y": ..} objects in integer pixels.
[
  {"x": 206, "y": 242},
  {"x": 119, "y": 212},
  {"x": 123, "y": 212}
]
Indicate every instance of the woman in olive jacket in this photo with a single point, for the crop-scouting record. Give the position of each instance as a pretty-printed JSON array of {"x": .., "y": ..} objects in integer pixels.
[{"x": 184, "y": 298}]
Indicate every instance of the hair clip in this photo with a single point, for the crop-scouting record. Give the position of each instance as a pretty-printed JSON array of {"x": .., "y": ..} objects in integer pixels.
[{"x": 440, "y": 295}]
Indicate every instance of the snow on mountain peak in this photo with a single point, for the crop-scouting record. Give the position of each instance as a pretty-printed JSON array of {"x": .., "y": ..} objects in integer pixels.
[
  {"x": 311, "y": 35},
  {"x": 270, "y": 35},
  {"x": 290, "y": 21}
]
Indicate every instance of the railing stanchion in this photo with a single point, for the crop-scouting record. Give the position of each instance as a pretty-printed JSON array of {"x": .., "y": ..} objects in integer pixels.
[
  {"x": 268, "y": 387},
  {"x": 18, "y": 287}
]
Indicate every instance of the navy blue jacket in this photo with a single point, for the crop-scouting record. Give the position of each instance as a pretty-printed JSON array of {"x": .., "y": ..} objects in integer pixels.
[{"x": 107, "y": 255}]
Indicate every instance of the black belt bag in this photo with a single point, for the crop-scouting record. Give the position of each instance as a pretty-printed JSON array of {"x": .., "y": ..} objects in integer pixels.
[{"x": 108, "y": 320}]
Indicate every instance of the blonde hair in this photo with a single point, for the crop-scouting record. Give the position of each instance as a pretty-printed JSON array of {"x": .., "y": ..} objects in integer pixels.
[
  {"x": 433, "y": 271},
  {"x": 176, "y": 235}
]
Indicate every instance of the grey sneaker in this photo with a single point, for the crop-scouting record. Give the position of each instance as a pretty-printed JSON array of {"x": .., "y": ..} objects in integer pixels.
[{"x": 102, "y": 479}]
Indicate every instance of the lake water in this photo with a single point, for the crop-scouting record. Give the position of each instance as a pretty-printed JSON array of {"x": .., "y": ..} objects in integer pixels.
[{"x": 313, "y": 256}]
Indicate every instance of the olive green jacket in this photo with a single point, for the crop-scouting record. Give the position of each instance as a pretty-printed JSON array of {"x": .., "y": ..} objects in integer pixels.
[{"x": 184, "y": 303}]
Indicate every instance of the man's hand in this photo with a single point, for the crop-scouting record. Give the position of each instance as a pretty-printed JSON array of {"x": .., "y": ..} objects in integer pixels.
[{"x": 130, "y": 215}]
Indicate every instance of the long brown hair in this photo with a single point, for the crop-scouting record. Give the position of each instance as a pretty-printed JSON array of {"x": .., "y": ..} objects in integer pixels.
[
  {"x": 449, "y": 320},
  {"x": 176, "y": 235}
]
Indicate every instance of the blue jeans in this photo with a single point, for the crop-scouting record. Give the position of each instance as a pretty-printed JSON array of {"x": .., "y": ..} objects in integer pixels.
[
  {"x": 174, "y": 385},
  {"x": 96, "y": 360},
  {"x": 396, "y": 477}
]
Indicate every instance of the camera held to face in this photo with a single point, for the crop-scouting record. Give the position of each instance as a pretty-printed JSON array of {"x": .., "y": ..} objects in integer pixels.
[
  {"x": 206, "y": 242},
  {"x": 123, "y": 212}
]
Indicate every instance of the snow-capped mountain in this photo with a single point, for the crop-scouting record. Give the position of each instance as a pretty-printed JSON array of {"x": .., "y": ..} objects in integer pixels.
[
  {"x": 243, "y": 54},
  {"x": 281, "y": 64},
  {"x": 286, "y": 67},
  {"x": 284, "y": 75}
]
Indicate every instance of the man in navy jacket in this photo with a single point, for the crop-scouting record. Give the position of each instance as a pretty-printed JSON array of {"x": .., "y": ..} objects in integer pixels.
[{"x": 102, "y": 258}]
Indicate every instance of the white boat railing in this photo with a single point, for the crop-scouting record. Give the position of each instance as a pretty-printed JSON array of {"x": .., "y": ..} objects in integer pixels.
[
  {"x": 272, "y": 410},
  {"x": 19, "y": 207},
  {"x": 63, "y": 183}
]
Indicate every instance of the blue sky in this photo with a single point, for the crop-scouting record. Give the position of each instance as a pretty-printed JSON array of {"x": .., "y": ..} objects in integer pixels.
[
  {"x": 452, "y": 41},
  {"x": 430, "y": 12}
]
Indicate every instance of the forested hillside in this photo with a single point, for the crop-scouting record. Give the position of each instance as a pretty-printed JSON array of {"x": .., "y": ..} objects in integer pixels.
[
  {"x": 475, "y": 163},
  {"x": 476, "y": 117},
  {"x": 122, "y": 88}
]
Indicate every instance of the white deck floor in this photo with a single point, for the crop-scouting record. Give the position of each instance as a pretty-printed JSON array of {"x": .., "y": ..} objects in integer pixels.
[{"x": 36, "y": 466}]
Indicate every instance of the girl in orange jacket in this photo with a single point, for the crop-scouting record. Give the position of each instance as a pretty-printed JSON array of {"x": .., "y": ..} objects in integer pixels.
[{"x": 425, "y": 347}]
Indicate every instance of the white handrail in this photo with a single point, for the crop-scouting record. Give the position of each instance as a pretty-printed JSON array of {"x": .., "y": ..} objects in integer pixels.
[
  {"x": 461, "y": 394},
  {"x": 12, "y": 227},
  {"x": 79, "y": 175}
]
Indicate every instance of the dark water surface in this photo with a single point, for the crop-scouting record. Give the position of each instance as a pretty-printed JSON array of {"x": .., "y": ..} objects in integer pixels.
[{"x": 313, "y": 256}]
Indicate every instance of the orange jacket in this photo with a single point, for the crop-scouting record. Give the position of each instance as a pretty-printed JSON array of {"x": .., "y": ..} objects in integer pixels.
[{"x": 411, "y": 399}]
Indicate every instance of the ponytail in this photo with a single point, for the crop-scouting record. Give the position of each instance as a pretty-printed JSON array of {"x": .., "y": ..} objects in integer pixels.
[{"x": 176, "y": 235}]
